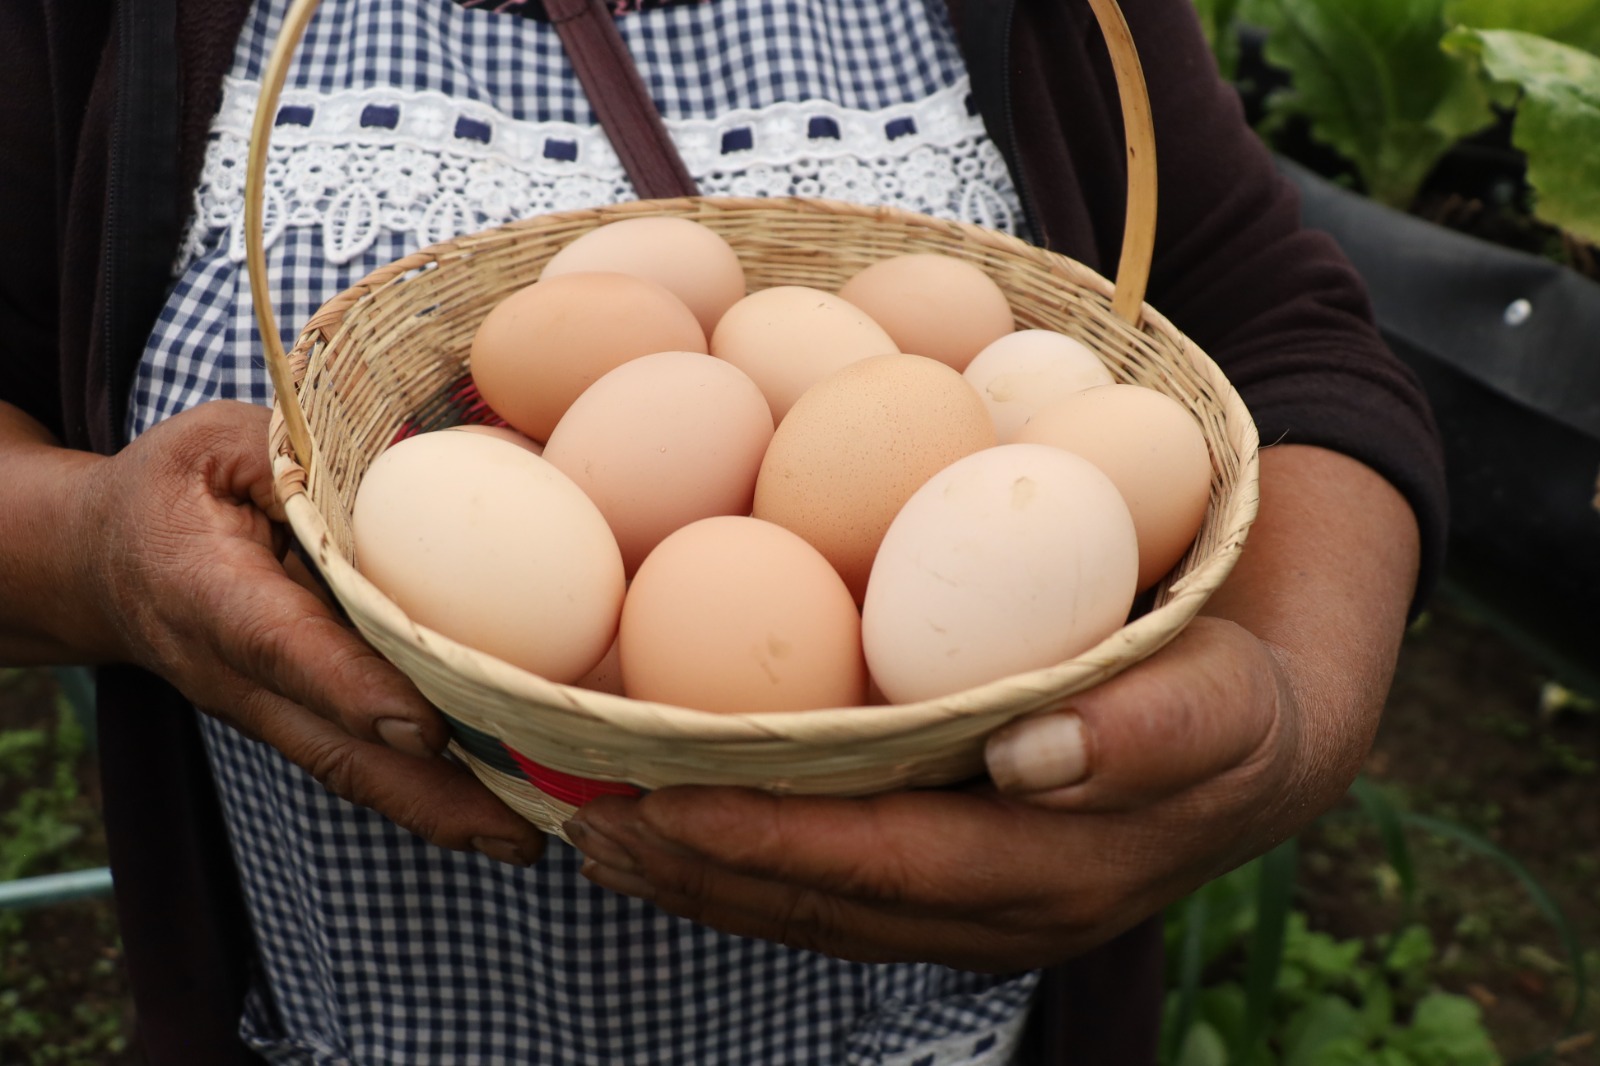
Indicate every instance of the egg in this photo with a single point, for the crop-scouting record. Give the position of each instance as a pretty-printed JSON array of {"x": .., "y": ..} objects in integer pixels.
[
  {"x": 1013, "y": 558},
  {"x": 505, "y": 433},
  {"x": 488, "y": 544},
  {"x": 1151, "y": 448},
  {"x": 541, "y": 346},
  {"x": 661, "y": 441},
  {"x": 733, "y": 614},
  {"x": 789, "y": 337},
  {"x": 934, "y": 305},
  {"x": 691, "y": 260},
  {"x": 855, "y": 447},
  {"x": 1029, "y": 369}
]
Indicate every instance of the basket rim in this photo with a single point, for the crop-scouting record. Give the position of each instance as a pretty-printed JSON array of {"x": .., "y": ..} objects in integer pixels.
[
  {"x": 1006, "y": 697},
  {"x": 646, "y": 718}
]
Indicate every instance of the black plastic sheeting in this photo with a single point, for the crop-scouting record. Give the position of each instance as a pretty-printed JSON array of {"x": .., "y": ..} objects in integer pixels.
[{"x": 1507, "y": 345}]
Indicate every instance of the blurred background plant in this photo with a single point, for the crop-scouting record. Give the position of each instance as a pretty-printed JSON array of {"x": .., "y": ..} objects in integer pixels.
[
  {"x": 1392, "y": 86},
  {"x": 63, "y": 997}
]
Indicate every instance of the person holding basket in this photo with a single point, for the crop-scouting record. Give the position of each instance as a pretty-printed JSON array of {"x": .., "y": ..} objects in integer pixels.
[{"x": 303, "y": 878}]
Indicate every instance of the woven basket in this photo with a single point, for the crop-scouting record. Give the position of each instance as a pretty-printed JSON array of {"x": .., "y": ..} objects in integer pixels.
[{"x": 391, "y": 353}]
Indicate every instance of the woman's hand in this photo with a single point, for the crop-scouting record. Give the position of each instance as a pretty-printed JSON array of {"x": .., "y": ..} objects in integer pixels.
[
  {"x": 165, "y": 556},
  {"x": 1129, "y": 796}
]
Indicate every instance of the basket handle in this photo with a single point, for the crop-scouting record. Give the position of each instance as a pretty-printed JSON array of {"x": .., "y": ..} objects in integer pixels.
[{"x": 1133, "y": 270}]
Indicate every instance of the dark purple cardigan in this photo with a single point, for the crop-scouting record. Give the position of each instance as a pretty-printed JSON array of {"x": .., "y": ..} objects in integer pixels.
[{"x": 104, "y": 110}]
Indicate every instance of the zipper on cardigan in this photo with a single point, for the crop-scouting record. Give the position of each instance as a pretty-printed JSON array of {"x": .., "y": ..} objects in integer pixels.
[
  {"x": 988, "y": 31},
  {"x": 108, "y": 240},
  {"x": 142, "y": 220}
]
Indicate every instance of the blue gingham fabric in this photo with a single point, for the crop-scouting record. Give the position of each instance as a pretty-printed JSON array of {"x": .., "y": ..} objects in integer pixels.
[{"x": 407, "y": 122}]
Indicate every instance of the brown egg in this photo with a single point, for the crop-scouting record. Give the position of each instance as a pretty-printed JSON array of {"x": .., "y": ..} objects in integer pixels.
[
  {"x": 545, "y": 343},
  {"x": 505, "y": 433},
  {"x": 736, "y": 615},
  {"x": 661, "y": 441},
  {"x": 857, "y": 445},
  {"x": 934, "y": 305},
  {"x": 689, "y": 259},
  {"x": 1151, "y": 448},
  {"x": 789, "y": 337}
]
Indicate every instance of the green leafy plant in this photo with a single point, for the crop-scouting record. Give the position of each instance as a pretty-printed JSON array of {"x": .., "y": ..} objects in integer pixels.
[
  {"x": 1393, "y": 85},
  {"x": 1251, "y": 984},
  {"x": 1557, "y": 121},
  {"x": 53, "y": 1013},
  {"x": 1371, "y": 80},
  {"x": 1329, "y": 1002}
]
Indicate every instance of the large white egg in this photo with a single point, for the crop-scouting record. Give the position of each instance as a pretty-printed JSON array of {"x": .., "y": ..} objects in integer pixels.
[
  {"x": 488, "y": 544},
  {"x": 1013, "y": 558}
]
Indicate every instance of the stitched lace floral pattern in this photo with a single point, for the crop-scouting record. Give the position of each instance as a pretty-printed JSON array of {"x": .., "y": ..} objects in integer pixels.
[{"x": 354, "y": 164}]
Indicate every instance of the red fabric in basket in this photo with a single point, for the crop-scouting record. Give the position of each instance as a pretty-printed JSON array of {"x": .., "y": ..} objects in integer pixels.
[{"x": 569, "y": 788}]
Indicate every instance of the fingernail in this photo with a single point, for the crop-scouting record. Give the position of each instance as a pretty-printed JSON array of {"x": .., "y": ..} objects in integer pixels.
[
  {"x": 502, "y": 851},
  {"x": 405, "y": 736},
  {"x": 1038, "y": 754},
  {"x": 597, "y": 847}
]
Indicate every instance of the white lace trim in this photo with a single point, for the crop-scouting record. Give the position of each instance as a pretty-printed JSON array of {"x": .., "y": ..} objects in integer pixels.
[{"x": 358, "y": 162}]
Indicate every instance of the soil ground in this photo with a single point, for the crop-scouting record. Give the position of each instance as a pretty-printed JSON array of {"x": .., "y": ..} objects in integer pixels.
[{"x": 1475, "y": 734}]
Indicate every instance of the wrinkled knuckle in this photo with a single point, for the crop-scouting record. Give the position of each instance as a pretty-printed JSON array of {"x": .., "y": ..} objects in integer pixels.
[
  {"x": 422, "y": 818},
  {"x": 334, "y": 763},
  {"x": 258, "y": 641}
]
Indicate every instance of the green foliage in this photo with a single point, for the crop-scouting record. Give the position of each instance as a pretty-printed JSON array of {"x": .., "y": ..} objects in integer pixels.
[
  {"x": 1370, "y": 78},
  {"x": 1392, "y": 85},
  {"x": 1217, "y": 19},
  {"x": 44, "y": 830},
  {"x": 1558, "y": 117},
  {"x": 1574, "y": 22},
  {"x": 1335, "y": 1002},
  {"x": 47, "y": 818},
  {"x": 1251, "y": 984}
]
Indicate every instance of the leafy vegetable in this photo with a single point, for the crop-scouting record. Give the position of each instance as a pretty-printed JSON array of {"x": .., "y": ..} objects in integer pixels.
[
  {"x": 1371, "y": 80},
  {"x": 1558, "y": 118},
  {"x": 1574, "y": 22}
]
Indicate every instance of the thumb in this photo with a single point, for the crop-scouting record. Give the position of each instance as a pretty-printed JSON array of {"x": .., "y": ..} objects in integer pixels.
[{"x": 1198, "y": 707}]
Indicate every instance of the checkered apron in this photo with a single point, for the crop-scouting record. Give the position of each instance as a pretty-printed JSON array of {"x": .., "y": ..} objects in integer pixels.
[{"x": 411, "y": 121}]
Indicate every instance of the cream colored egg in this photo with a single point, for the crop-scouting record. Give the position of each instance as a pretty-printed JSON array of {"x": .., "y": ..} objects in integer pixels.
[
  {"x": 690, "y": 259},
  {"x": 1011, "y": 559},
  {"x": 733, "y": 614},
  {"x": 857, "y": 445},
  {"x": 934, "y": 305},
  {"x": 1029, "y": 369},
  {"x": 789, "y": 337},
  {"x": 661, "y": 441},
  {"x": 545, "y": 343},
  {"x": 1154, "y": 452},
  {"x": 486, "y": 543}
]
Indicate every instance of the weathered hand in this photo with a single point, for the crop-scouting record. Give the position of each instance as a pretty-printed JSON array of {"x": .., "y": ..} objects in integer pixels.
[
  {"x": 1182, "y": 763},
  {"x": 184, "y": 572},
  {"x": 1126, "y": 798}
]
